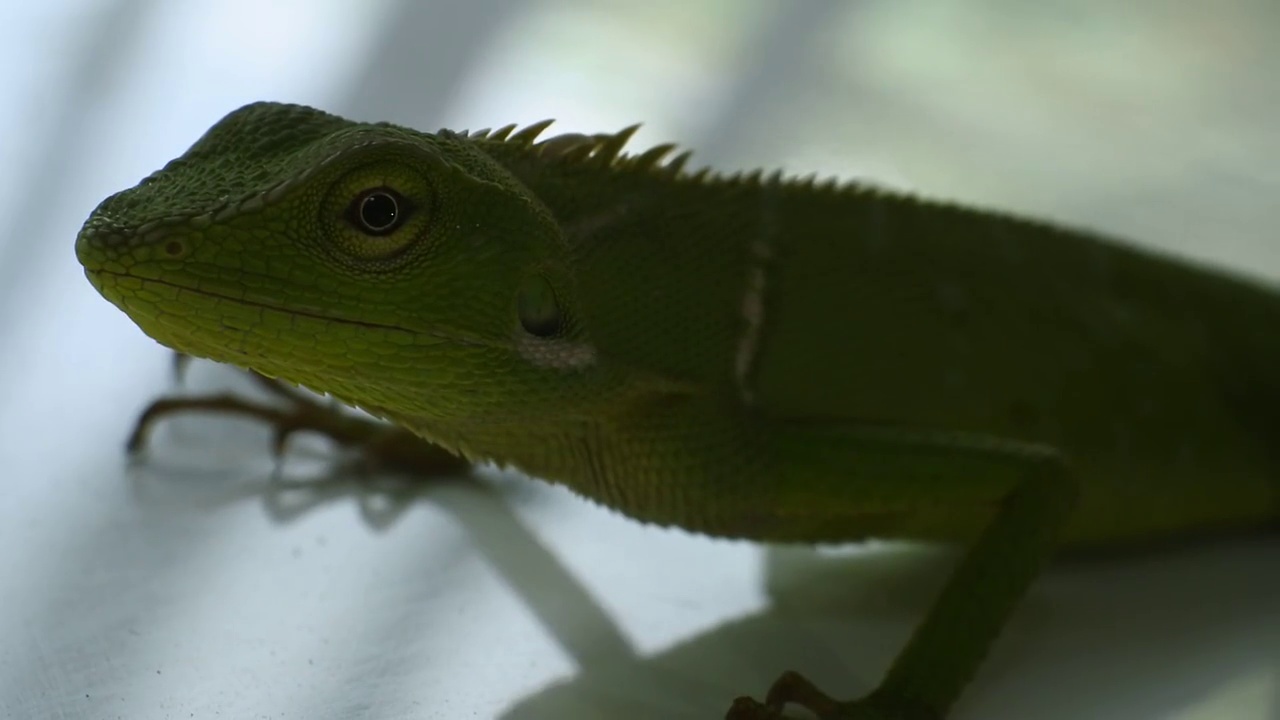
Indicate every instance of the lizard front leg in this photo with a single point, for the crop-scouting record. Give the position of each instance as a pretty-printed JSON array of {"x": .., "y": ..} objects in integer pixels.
[{"x": 382, "y": 445}]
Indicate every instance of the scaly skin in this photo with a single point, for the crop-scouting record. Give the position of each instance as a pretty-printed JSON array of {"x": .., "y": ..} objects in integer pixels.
[{"x": 738, "y": 356}]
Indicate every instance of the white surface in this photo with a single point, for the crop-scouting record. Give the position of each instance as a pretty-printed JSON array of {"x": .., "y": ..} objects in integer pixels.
[{"x": 193, "y": 585}]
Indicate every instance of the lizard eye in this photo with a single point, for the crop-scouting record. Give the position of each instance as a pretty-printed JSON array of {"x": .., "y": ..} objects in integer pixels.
[
  {"x": 538, "y": 308},
  {"x": 378, "y": 211}
]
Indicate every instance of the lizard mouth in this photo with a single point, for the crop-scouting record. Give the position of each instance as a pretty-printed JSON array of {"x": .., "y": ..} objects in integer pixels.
[{"x": 98, "y": 275}]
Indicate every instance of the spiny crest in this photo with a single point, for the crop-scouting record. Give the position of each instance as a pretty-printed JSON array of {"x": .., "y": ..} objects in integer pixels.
[{"x": 605, "y": 150}]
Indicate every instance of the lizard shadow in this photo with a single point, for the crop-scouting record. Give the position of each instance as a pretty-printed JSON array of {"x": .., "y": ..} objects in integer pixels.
[
  {"x": 1092, "y": 644},
  {"x": 1142, "y": 636}
]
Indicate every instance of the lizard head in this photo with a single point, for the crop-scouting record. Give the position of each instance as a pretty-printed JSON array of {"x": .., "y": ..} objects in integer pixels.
[{"x": 387, "y": 267}]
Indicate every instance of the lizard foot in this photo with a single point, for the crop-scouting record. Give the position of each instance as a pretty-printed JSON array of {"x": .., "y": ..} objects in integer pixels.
[
  {"x": 792, "y": 688},
  {"x": 381, "y": 444}
]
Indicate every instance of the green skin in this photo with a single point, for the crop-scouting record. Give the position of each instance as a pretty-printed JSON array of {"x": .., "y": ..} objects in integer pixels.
[{"x": 738, "y": 356}]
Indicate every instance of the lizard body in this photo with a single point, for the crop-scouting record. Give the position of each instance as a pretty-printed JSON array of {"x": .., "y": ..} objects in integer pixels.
[{"x": 743, "y": 356}]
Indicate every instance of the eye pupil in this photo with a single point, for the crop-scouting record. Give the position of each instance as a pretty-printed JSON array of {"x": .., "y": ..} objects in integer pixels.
[{"x": 379, "y": 211}]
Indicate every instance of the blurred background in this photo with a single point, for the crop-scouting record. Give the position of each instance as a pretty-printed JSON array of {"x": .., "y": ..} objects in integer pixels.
[{"x": 199, "y": 582}]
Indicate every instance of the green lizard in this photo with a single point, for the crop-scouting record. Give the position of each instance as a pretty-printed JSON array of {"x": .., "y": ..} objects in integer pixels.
[{"x": 741, "y": 356}]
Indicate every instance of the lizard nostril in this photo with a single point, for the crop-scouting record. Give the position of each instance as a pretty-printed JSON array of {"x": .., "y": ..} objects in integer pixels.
[{"x": 175, "y": 248}]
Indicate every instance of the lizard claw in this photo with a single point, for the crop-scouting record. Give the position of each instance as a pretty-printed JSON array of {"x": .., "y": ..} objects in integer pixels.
[
  {"x": 792, "y": 688},
  {"x": 381, "y": 444},
  {"x": 745, "y": 708}
]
